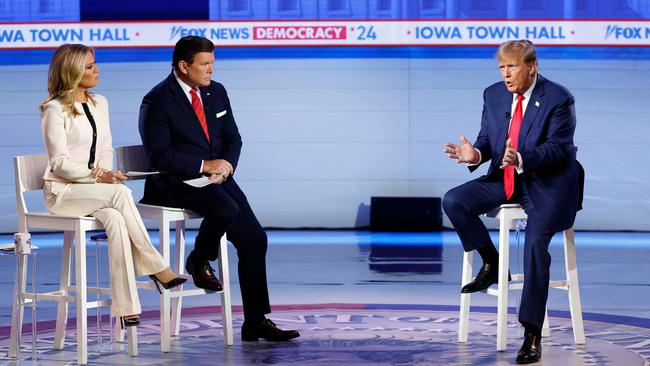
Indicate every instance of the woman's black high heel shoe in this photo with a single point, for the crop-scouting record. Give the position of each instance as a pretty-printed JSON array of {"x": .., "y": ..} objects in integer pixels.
[
  {"x": 129, "y": 321},
  {"x": 167, "y": 285}
]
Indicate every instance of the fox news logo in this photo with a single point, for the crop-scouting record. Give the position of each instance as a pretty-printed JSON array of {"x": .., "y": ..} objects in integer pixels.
[{"x": 618, "y": 32}]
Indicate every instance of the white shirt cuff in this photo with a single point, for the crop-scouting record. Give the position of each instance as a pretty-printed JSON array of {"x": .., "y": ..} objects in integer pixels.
[
  {"x": 520, "y": 167},
  {"x": 480, "y": 158}
]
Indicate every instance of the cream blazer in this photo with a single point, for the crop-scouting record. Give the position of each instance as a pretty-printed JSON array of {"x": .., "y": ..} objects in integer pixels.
[{"x": 68, "y": 141}]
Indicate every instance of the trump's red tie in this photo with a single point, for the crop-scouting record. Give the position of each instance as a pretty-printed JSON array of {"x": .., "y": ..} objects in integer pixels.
[
  {"x": 513, "y": 135},
  {"x": 198, "y": 109}
]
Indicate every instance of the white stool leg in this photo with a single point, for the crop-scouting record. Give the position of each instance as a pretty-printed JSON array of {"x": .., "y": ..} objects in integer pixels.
[
  {"x": 226, "y": 309},
  {"x": 64, "y": 283},
  {"x": 502, "y": 303},
  {"x": 165, "y": 310},
  {"x": 81, "y": 295},
  {"x": 18, "y": 309},
  {"x": 466, "y": 277},
  {"x": 179, "y": 267},
  {"x": 132, "y": 333},
  {"x": 573, "y": 288}
]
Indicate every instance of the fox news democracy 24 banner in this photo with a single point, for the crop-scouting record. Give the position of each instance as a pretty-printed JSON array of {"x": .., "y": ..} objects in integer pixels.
[{"x": 328, "y": 33}]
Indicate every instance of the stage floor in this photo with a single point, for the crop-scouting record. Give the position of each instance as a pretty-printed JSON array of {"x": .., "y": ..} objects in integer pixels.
[{"x": 362, "y": 298}]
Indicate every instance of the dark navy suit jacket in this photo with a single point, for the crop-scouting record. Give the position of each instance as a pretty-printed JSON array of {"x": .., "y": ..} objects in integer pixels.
[
  {"x": 176, "y": 144},
  {"x": 545, "y": 143}
]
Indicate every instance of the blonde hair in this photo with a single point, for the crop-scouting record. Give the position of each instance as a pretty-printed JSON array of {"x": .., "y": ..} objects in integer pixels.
[
  {"x": 66, "y": 70},
  {"x": 523, "y": 47}
]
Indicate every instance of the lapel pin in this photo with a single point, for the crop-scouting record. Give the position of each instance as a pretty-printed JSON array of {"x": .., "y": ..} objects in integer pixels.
[
  {"x": 207, "y": 93},
  {"x": 536, "y": 103}
]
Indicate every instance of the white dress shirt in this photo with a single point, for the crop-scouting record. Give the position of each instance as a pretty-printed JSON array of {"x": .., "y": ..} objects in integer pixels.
[
  {"x": 187, "y": 90},
  {"x": 524, "y": 105}
]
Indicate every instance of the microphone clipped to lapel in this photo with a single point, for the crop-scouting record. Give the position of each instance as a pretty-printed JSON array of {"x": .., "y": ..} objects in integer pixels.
[{"x": 205, "y": 107}]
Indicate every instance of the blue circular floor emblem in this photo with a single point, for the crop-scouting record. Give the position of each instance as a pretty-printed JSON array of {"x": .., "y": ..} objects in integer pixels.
[{"x": 356, "y": 335}]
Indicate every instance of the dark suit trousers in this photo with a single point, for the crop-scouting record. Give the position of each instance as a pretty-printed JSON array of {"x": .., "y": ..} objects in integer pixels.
[
  {"x": 465, "y": 203},
  {"x": 222, "y": 213}
]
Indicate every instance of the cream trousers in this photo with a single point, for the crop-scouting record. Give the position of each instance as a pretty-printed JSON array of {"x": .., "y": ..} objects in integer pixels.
[{"x": 130, "y": 252}]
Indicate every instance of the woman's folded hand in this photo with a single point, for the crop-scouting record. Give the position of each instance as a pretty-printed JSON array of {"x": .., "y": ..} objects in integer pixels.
[{"x": 112, "y": 176}]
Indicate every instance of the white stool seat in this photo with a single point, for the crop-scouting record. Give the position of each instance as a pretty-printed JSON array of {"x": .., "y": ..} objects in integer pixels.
[{"x": 507, "y": 215}]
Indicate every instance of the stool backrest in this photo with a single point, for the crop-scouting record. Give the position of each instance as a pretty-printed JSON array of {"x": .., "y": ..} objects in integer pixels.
[
  {"x": 132, "y": 158},
  {"x": 28, "y": 171}
]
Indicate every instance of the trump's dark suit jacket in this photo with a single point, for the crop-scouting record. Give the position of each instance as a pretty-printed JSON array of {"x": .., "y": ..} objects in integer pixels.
[{"x": 545, "y": 144}]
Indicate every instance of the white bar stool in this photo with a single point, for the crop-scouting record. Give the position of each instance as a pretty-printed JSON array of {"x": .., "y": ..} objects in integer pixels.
[
  {"x": 134, "y": 159},
  {"x": 507, "y": 215},
  {"x": 28, "y": 170}
]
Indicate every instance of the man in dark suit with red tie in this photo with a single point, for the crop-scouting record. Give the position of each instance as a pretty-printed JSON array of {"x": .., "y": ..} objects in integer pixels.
[
  {"x": 188, "y": 130},
  {"x": 526, "y": 135}
]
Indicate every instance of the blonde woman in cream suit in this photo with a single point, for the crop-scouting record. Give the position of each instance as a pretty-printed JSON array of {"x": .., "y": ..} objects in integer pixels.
[{"x": 80, "y": 179}]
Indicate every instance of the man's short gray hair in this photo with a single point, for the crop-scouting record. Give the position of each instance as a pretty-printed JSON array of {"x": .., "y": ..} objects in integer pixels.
[{"x": 522, "y": 47}]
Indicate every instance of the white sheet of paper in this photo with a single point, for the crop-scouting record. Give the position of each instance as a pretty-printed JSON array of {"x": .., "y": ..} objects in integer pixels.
[
  {"x": 7, "y": 247},
  {"x": 199, "y": 182},
  {"x": 139, "y": 174}
]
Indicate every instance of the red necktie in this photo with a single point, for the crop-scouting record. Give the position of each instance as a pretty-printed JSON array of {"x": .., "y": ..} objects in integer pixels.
[
  {"x": 198, "y": 109},
  {"x": 513, "y": 135}
]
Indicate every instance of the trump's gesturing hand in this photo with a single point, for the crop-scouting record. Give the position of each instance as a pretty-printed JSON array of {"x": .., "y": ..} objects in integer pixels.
[
  {"x": 463, "y": 152},
  {"x": 510, "y": 157}
]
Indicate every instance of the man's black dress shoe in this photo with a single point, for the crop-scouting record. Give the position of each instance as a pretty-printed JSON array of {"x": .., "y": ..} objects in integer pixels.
[
  {"x": 202, "y": 274},
  {"x": 267, "y": 330},
  {"x": 486, "y": 277},
  {"x": 531, "y": 350}
]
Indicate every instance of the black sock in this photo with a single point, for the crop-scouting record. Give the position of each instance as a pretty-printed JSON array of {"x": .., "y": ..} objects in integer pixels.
[{"x": 489, "y": 254}]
